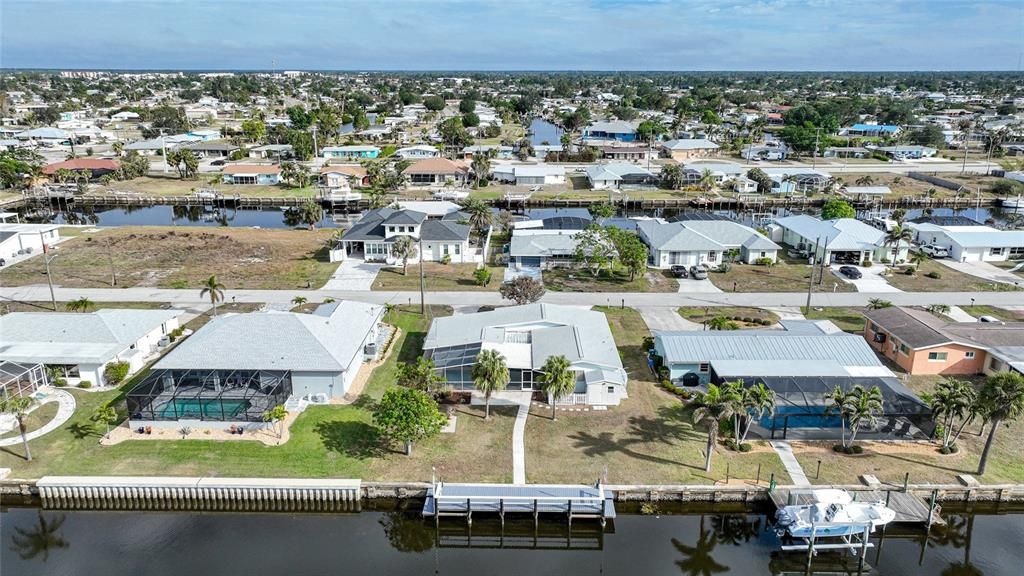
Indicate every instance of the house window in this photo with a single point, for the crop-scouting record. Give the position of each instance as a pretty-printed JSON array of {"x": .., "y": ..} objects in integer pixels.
[
  {"x": 711, "y": 256},
  {"x": 704, "y": 367},
  {"x": 444, "y": 249},
  {"x": 458, "y": 249},
  {"x": 969, "y": 355},
  {"x": 996, "y": 251},
  {"x": 391, "y": 228},
  {"x": 764, "y": 254},
  {"x": 937, "y": 356},
  {"x": 611, "y": 389},
  {"x": 904, "y": 350}
]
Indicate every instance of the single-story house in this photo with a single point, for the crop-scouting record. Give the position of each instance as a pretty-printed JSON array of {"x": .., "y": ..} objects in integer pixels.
[
  {"x": 125, "y": 116},
  {"x": 866, "y": 192},
  {"x": 689, "y": 148},
  {"x": 45, "y": 134},
  {"x": 529, "y": 174},
  {"x": 373, "y": 236},
  {"x": 744, "y": 185},
  {"x": 97, "y": 167},
  {"x": 625, "y": 153},
  {"x": 787, "y": 180},
  {"x": 239, "y": 366},
  {"x": 613, "y": 130},
  {"x": 773, "y": 150},
  {"x": 846, "y": 152},
  {"x": 417, "y": 152},
  {"x": 272, "y": 151},
  {"x": 264, "y": 174},
  {"x": 436, "y": 171},
  {"x": 922, "y": 343},
  {"x": 350, "y": 152},
  {"x": 205, "y": 149},
  {"x": 80, "y": 345},
  {"x": 692, "y": 242},
  {"x": 972, "y": 243},
  {"x": 871, "y": 130},
  {"x": 720, "y": 170},
  {"x": 527, "y": 336},
  {"x": 619, "y": 176},
  {"x": 906, "y": 152},
  {"x": 545, "y": 242},
  {"x": 801, "y": 364},
  {"x": 844, "y": 240},
  {"x": 495, "y": 150},
  {"x": 26, "y": 238},
  {"x": 341, "y": 175}
]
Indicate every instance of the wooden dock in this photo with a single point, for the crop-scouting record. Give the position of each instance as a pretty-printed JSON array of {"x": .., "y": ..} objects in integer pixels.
[
  {"x": 909, "y": 509},
  {"x": 574, "y": 501}
]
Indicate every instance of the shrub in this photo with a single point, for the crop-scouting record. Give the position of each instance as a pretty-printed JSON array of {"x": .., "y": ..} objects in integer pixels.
[
  {"x": 86, "y": 384},
  {"x": 909, "y": 271},
  {"x": 866, "y": 263},
  {"x": 748, "y": 319},
  {"x": 482, "y": 276},
  {"x": 765, "y": 322},
  {"x": 649, "y": 509},
  {"x": 763, "y": 262},
  {"x": 59, "y": 382},
  {"x": 664, "y": 373},
  {"x": 886, "y": 260},
  {"x": 745, "y": 447},
  {"x": 446, "y": 259},
  {"x": 115, "y": 373},
  {"x": 736, "y": 318},
  {"x": 855, "y": 449},
  {"x": 934, "y": 274}
]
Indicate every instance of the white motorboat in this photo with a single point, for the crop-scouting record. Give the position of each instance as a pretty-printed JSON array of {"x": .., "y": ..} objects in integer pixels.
[
  {"x": 1014, "y": 203},
  {"x": 833, "y": 514}
]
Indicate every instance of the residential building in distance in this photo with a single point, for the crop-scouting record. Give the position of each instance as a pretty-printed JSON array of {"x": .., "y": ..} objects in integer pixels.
[
  {"x": 527, "y": 336},
  {"x": 922, "y": 343},
  {"x": 262, "y": 174},
  {"x": 619, "y": 176},
  {"x": 842, "y": 241},
  {"x": 96, "y": 167},
  {"x": 354, "y": 152},
  {"x": 343, "y": 175},
  {"x": 688, "y": 149},
  {"x": 417, "y": 152},
  {"x": 545, "y": 242},
  {"x": 972, "y": 243},
  {"x": 529, "y": 174},
  {"x": 372, "y": 238},
  {"x": 871, "y": 130},
  {"x": 617, "y": 130},
  {"x": 692, "y": 242},
  {"x": 436, "y": 172}
]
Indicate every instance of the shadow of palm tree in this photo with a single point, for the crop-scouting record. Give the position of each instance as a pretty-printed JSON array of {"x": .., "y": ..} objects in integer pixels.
[
  {"x": 926, "y": 463},
  {"x": 351, "y": 438},
  {"x": 699, "y": 560},
  {"x": 82, "y": 431}
]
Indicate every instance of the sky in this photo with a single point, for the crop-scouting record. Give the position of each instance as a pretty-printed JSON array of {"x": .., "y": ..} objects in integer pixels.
[{"x": 513, "y": 34}]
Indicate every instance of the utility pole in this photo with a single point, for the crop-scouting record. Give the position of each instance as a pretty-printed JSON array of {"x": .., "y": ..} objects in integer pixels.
[
  {"x": 49, "y": 280},
  {"x": 810, "y": 282},
  {"x": 110, "y": 259},
  {"x": 316, "y": 151},
  {"x": 814, "y": 155},
  {"x": 967, "y": 137},
  {"x": 423, "y": 304}
]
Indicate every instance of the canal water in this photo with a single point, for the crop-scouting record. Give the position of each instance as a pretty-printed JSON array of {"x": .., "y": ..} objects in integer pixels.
[
  {"x": 542, "y": 131},
  {"x": 49, "y": 543}
]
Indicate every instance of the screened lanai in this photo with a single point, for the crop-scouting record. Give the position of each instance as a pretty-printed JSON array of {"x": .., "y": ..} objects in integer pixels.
[
  {"x": 19, "y": 379},
  {"x": 456, "y": 363},
  {"x": 214, "y": 395},
  {"x": 802, "y": 411}
]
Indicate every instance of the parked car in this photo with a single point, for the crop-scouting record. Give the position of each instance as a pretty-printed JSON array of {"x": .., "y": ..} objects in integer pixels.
[
  {"x": 698, "y": 272},
  {"x": 219, "y": 162},
  {"x": 991, "y": 319},
  {"x": 935, "y": 251},
  {"x": 850, "y": 272},
  {"x": 678, "y": 271}
]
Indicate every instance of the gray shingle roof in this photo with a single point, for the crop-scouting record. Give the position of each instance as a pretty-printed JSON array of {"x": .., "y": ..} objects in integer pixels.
[
  {"x": 920, "y": 329},
  {"x": 444, "y": 230},
  {"x": 403, "y": 217}
]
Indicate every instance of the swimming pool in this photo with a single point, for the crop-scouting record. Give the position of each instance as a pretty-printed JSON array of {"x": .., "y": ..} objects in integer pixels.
[
  {"x": 800, "y": 417},
  {"x": 203, "y": 409}
]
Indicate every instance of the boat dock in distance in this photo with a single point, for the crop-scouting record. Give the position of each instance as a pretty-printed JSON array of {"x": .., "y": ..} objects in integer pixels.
[
  {"x": 574, "y": 501},
  {"x": 910, "y": 509}
]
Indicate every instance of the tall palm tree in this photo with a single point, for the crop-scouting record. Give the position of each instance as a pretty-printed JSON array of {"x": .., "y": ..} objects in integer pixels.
[
  {"x": 213, "y": 289},
  {"x": 557, "y": 380},
  {"x": 952, "y": 400},
  {"x": 480, "y": 215},
  {"x": 865, "y": 406},
  {"x": 707, "y": 179},
  {"x": 404, "y": 247},
  {"x": 1001, "y": 399},
  {"x": 896, "y": 237},
  {"x": 489, "y": 374},
  {"x": 106, "y": 414},
  {"x": 82, "y": 304},
  {"x": 758, "y": 401},
  {"x": 839, "y": 401},
  {"x": 44, "y": 537},
  {"x": 481, "y": 168},
  {"x": 711, "y": 407},
  {"x": 18, "y": 406}
]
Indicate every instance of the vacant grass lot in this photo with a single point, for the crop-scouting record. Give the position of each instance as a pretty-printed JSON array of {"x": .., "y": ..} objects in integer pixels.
[
  {"x": 890, "y": 461},
  {"x": 649, "y": 438},
  {"x": 782, "y": 277},
  {"x": 949, "y": 281},
  {"x": 580, "y": 280},
  {"x": 326, "y": 441},
  {"x": 437, "y": 277},
  {"x": 168, "y": 257}
]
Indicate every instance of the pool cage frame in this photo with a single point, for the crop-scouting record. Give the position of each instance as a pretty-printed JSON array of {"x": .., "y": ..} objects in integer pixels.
[
  {"x": 19, "y": 379},
  {"x": 220, "y": 395},
  {"x": 904, "y": 416}
]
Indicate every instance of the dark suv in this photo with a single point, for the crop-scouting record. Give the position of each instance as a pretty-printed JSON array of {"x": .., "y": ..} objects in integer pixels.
[{"x": 678, "y": 271}]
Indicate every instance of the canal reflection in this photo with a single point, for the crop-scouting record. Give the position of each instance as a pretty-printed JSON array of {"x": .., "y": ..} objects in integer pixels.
[{"x": 38, "y": 540}]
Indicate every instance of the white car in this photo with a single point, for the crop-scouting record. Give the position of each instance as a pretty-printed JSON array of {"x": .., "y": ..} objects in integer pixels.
[{"x": 935, "y": 251}]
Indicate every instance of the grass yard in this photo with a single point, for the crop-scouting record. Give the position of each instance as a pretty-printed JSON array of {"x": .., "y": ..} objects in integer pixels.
[
  {"x": 36, "y": 419},
  {"x": 735, "y": 313},
  {"x": 326, "y": 441},
  {"x": 8, "y": 306},
  {"x": 171, "y": 185},
  {"x": 949, "y": 281},
  {"x": 168, "y": 257},
  {"x": 779, "y": 278},
  {"x": 579, "y": 280},
  {"x": 890, "y": 461},
  {"x": 848, "y": 319},
  {"x": 1001, "y": 313},
  {"x": 222, "y": 308},
  {"x": 438, "y": 278},
  {"x": 649, "y": 438}
]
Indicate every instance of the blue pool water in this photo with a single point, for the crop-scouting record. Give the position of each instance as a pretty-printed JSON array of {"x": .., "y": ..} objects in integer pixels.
[
  {"x": 800, "y": 417},
  {"x": 205, "y": 409}
]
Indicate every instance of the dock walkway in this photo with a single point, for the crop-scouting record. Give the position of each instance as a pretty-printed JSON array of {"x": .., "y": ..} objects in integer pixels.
[
  {"x": 462, "y": 500},
  {"x": 910, "y": 509}
]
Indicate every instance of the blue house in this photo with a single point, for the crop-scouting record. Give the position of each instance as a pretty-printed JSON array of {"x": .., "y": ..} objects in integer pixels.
[
  {"x": 871, "y": 130},
  {"x": 350, "y": 152},
  {"x": 614, "y": 130}
]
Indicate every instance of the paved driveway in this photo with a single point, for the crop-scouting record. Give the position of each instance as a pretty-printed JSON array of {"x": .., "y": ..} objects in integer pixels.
[
  {"x": 666, "y": 318},
  {"x": 353, "y": 274},
  {"x": 872, "y": 281},
  {"x": 982, "y": 270},
  {"x": 691, "y": 286}
]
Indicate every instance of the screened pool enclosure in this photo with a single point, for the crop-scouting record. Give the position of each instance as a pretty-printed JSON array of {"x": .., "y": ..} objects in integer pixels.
[
  {"x": 456, "y": 363},
  {"x": 212, "y": 395}
]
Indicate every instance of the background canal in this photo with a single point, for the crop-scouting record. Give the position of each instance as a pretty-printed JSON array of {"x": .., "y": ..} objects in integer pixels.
[{"x": 52, "y": 543}]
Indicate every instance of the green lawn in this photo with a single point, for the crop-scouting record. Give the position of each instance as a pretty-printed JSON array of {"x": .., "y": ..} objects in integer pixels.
[
  {"x": 35, "y": 420},
  {"x": 783, "y": 277},
  {"x": 580, "y": 280},
  {"x": 949, "y": 280},
  {"x": 171, "y": 185},
  {"x": 848, "y": 319},
  {"x": 1001, "y": 313},
  {"x": 437, "y": 278},
  {"x": 737, "y": 314}
]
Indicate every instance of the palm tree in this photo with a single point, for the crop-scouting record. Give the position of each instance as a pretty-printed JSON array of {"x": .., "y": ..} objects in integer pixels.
[
  {"x": 299, "y": 300},
  {"x": 719, "y": 323},
  {"x": 213, "y": 289},
  {"x": 878, "y": 303},
  {"x": 481, "y": 167},
  {"x": 404, "y": 247},
  {"x": 106, "y": 414},
  {"x": 917, "y": 258},
  {"x": 18, "y": 406},
  {"x": 758, "y": 401},
  {"x": 45, "y": 536},
  {"x": 557, "y": 380},
  {"x": 480, "y": 215},
  {"x": 865, "y": 180},
  {"x": 1001, "y": 399},
  {"x": 489, "y": 374},
  {"x": 840, "y": 404},
  {"x": 896, "y": 237},
  {"x": 707, "y": 179},
  {"x": 83, "y": 304},
  {"x": 711, "y": 407},
  {"x": 952, "y": 400},
  {"x": 938, "y": 309},
  {"x": 865, "y": 405}
]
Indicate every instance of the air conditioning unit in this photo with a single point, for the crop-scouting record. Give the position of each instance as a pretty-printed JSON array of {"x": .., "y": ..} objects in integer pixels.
[
  {"x": 879, "y": 337},
  {"x": 370, "y": 349}
]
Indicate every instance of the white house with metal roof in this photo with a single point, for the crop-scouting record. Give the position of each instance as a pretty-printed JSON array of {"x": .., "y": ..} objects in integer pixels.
[
  {"x": 620, "y": 176},
  {"x": 81, "y": 345},
  {"x": 527, "y": 336},
  {"x": 543, "y": 242},
  {"x": 692, "y": 242},
  {"x": 844, "y": 240},
  {"x": 529, "y": 174},
  {"x": 972, "y": 243}
]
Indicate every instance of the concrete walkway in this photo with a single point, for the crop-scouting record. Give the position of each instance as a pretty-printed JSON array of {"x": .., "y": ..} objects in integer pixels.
[
  {"x": 958, "y": 314},
  {"x": 353, "y": 274},
  {"x": 787, "y": 312},
  {"x": 982, "y": 270},
  {"x": 796, "y": 472},
  {"x": 64, "y": 411},
  {"x": 666, "y": 318},
  {"x": 519, "y": 446}
]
